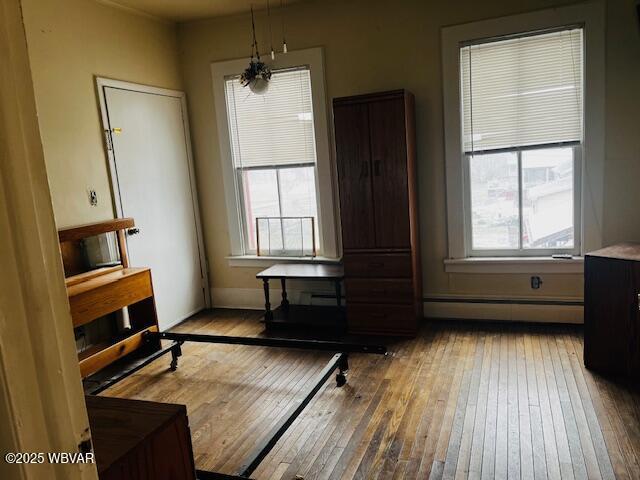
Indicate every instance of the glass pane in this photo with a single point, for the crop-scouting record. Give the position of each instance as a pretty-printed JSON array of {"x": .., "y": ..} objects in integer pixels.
[
  {"x": 260, "y": 188},
  {"x": 547, "y": 198},
  {"x": 298, "y": 190},
  {"x": 271, "y": 236},
  {"x": 494, "y": 201}
]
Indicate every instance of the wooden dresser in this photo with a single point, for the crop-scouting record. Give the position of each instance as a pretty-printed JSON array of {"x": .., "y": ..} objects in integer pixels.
[
  {"x": 612, "y": 310},
  {"x": 376, "y": 159},
  {"x": 139, "y": 440}
]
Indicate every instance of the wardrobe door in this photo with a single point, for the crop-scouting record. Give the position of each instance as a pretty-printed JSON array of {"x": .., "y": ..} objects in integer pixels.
[
  {"x": 354, "y": 176},
  {"x": 389, "y": 165}
]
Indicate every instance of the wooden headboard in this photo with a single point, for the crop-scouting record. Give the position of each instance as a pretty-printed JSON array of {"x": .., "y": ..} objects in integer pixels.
[{"x": 71, "y": 242}]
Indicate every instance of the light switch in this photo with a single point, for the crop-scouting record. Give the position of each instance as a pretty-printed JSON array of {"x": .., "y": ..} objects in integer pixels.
[{"x": 93, "y": 198}]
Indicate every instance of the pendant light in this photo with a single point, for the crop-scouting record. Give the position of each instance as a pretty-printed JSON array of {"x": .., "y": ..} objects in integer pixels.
[
  {"x": 273, "y": 53},
  {"x": 284, "y": 38},
  {"x": 257, "y": 75}
]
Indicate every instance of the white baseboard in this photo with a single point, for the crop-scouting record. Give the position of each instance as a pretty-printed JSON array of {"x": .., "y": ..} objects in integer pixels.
[{"x": 503, "y": 311}]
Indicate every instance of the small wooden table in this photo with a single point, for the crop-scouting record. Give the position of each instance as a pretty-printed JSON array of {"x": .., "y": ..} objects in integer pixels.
[{"x": 291, "y": 314}]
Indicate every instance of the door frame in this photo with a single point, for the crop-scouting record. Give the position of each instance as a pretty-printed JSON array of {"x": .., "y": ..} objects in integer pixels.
[
  {"x": 41, "y": 394},
  {"x": 101, "y": 84}
]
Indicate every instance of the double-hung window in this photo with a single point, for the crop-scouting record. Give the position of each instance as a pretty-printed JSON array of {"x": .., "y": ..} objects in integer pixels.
[
  {"x": 273, "y": 151},
  {"x": 522, "y": 133}
]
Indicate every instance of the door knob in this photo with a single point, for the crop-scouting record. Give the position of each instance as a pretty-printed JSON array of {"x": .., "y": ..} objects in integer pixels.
[{"x": 133, "y": 231}]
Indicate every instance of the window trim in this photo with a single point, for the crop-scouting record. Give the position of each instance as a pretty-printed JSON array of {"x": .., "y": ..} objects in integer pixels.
[
  {"x": 314, "y": 59},
  {"x": 591, "y": 17},
  {"x": 528, "y": 252}
]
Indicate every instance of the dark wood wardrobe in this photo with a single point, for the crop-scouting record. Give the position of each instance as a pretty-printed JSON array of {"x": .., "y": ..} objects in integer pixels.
[{"x": 376, "y": 160}]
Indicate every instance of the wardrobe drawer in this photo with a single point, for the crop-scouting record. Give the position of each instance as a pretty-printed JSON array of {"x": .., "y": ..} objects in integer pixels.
[
  {"x": 383, "y": 265},
  {"x": 381, "y": 319},
  {"x": 385, "y": 290}
]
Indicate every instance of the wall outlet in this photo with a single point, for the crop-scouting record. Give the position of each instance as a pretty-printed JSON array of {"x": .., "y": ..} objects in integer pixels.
[
  {"x": 93, "y": 198},
  {"x": 536, "y": 282}
]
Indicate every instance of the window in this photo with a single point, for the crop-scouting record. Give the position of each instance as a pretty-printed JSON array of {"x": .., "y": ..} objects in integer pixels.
[
  {"x": 274, "y": 156},
  {"x": 275, "y": 159},
  {"x": 522, "y": 124}
]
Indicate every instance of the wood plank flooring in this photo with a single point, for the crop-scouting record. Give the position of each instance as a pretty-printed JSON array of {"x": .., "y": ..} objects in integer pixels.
[{"x": 461, "y": 400}]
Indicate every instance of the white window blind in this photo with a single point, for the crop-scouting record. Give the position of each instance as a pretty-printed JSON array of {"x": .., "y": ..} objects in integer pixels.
[
  {"x": 522, "y": 91},
  {"x": 275, "y": 128}
]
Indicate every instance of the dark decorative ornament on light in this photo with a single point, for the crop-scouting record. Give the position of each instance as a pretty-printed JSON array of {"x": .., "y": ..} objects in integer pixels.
[{"x": 257, "y": 75}]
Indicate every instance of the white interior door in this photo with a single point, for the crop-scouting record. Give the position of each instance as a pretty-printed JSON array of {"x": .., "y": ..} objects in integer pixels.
[{"x": 152, "y": 167}]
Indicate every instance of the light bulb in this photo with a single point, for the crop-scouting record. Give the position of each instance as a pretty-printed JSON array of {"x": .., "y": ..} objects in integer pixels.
[
  {"x": 284, "y": 47},
  {"x": 273, "y": 54}
]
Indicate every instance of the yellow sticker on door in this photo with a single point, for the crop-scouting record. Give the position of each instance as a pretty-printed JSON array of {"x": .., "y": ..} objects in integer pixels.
[{"x": 117, "y": 130}]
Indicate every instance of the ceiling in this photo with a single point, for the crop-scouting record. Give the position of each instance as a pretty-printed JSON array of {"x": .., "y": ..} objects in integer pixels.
[{"x": 185, "y": 10}]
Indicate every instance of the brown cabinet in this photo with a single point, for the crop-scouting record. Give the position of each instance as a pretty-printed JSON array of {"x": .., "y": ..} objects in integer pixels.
[
  {"x": 612, "y": 310},
  {"x": 375, "y": 148},
  {"x": 140, "y": 440}
]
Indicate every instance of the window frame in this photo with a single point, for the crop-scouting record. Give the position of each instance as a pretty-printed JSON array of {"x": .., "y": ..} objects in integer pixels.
[
  {"x": 312, "y": 58},
  {"x": 591, "y": 168},
  {"x": 525, "y": 252}
]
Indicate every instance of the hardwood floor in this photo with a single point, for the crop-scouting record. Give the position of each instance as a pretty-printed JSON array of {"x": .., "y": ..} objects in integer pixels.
[{"x": 461, "y": 400}]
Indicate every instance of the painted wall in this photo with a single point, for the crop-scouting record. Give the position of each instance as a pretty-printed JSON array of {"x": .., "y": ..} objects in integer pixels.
[
  {"x": 70, "y": 42},
  {"x": 370, "y": 46}
]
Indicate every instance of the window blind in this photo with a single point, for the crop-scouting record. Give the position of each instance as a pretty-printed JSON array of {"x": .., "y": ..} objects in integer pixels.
[
  {"x": 275, "y": 128},
  {"x": 522, "y": 91}
]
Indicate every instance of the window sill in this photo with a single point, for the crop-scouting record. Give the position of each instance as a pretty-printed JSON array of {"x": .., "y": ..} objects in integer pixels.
[
  {"x": 514, "y": 265},
  {"x": 263, "y": 261}
]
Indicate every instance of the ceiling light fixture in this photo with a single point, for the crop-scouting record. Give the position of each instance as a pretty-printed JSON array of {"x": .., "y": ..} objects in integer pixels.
[
  {"x": 284, "y": 38},
  {"x": 273, "y": 53},
  {"x": 257, "y": 75}
]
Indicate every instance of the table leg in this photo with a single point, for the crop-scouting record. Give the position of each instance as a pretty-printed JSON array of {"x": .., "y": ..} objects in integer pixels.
[
  {"x": 268, "y": 314},
  {"x": 338, "y": 286},
  {"x": 285, "y": 301}
]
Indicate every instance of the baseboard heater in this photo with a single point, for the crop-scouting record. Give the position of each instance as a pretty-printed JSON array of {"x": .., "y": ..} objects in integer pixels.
[{"x": 505, "y": 301}]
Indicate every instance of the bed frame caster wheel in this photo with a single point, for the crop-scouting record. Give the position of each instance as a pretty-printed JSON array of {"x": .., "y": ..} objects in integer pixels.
[
  {"x": 176, "y": 352},
  {"x": 343, "y": 368}
]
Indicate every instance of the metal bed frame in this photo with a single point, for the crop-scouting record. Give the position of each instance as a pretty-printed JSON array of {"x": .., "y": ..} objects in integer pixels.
[{"x": 339, "y": 362}]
